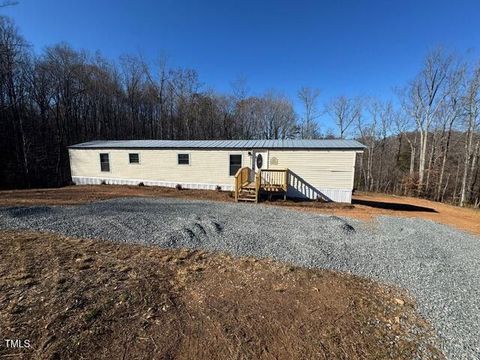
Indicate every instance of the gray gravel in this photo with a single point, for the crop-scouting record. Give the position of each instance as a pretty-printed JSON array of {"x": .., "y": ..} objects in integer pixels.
[{"x": 440, "y": 266}]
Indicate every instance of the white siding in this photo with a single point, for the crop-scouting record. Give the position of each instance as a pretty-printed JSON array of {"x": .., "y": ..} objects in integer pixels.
[
  {"x": 157, "y": 167},
  {"x": 327, "y": 174}
]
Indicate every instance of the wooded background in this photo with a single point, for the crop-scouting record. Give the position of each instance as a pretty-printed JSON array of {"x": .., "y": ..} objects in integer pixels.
[{"x": 424, "y": 142}]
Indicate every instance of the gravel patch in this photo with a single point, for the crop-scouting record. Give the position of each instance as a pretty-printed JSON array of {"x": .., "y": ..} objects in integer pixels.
[{"x": 440, "y": 266}]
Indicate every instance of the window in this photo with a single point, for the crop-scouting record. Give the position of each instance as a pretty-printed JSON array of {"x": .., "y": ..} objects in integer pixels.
[
  {"x": 183, "y": 159},
  {"x": 235, "y": 164},
  {"x": 134, "y": 158},
  {"x": 259, "y": 161},
  {"x": 104, "y": 162}
]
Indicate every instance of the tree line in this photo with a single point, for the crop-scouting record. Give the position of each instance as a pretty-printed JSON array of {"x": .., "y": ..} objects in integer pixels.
[
  {"x": 63, "y": 96},
  {"x": 425, "y": 142},
  {"x": 429, "y": 144}
]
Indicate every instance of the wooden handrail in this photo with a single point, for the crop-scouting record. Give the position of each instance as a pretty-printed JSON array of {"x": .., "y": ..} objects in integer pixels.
[
  {"x": 258, "y": 183},
  {"x": 241, "y": 177},
  {"x": 274, "y": 170},
  {"x": 274, "y": 178}
]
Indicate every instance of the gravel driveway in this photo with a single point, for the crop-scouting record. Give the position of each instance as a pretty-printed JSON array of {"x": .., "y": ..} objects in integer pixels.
[{"x": 439, "y": 265}]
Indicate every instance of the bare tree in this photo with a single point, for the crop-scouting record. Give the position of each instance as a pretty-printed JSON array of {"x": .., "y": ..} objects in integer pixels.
[
  {"x": 403, "y": 128},
  {"x": 240, "y": 88},
  {"x": 344, "y": 112},
  {"x": 367, "y": 127},
  {"x": 278, "y": 116},
  {"x": 13, "y": 61},
  {"x": 425, "y": 95},
  {"x": 448, "y": 113},
  {"x": 309, "y": 126},
  {"x": 472, "y": 109}
]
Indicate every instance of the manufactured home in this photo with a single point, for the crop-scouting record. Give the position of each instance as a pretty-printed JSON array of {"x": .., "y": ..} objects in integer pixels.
[{"x": 314, "y": 169}]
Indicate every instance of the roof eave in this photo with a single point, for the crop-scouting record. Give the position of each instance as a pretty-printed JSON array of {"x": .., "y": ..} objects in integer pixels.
[{"x": 75, "y": 147}]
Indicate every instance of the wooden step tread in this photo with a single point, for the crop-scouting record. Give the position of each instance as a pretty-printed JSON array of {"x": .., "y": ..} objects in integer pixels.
[{"x": 246, "y": 199}]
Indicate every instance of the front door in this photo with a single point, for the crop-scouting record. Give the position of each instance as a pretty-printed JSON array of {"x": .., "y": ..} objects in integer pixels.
[{"x": 259, "y": 160}]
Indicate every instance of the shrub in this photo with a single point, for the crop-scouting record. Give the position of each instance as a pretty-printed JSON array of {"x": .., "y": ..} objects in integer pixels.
[
  {"x": 410, "y": 184},
  {"x": 179, "y": 187},
  {"x": 141, "y": 184},
  {"x": 218, "y": 188},
  {"x": 103, "y": 182}
]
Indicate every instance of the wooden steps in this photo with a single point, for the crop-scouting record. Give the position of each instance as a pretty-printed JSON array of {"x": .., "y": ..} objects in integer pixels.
[
  {"x": 252, "y": 198},
  {"x": 247, "y": 193}
]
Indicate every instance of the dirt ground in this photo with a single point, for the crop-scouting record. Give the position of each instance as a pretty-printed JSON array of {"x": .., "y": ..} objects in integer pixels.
[
  {"x": 366, "y": 206},
  {"x": 74, "y": 298},
  {"x": 70, "y": 195}
]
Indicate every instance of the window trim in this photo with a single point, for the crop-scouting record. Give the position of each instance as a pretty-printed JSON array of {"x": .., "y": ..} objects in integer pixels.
[
  {"x": 184, "y": 153},
  {"x": 100, "y": 161},
  {"x": 134, "y": 163},
  {"x": 229, "y": 162}
]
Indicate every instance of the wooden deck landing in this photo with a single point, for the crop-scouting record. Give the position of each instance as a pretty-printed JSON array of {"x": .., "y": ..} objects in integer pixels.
[{"x": 267, "y": 182}]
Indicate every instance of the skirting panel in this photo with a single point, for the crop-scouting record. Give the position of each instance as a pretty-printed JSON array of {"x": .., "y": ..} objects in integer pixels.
[
  {"x": 84, "y": 180},
  {"x": 294, "y": 190},
  {"x": 338, "y": 195},
  {"x": 309, "y": 192}
]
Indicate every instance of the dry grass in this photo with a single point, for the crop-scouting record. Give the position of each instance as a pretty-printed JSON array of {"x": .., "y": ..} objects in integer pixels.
[
  {"x": 87, "y": 299},
  {"x": 71, "y": 195},
  {"x": 366, "y": 206}
]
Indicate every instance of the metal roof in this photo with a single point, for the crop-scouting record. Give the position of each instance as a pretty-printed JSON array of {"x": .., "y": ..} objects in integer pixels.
[{"x": 221, "y": 144}]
